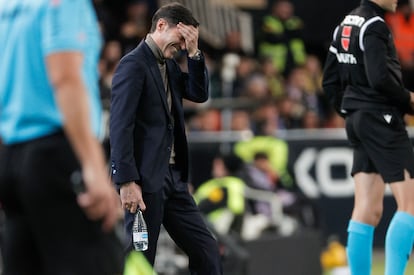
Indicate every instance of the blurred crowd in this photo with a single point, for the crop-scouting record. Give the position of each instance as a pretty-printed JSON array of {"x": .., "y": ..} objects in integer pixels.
[
  {"x": 278, "y": 86},
  {"x": 275, "y": 87}
]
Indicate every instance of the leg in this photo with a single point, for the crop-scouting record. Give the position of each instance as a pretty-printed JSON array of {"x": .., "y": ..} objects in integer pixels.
[
  {"x": 400, "y": 234},
  {"x": 67, "y": 241},
  {"x": 17, "y": 241},
  {"x": 383, "y": 146},
  {"x": 187, "y": 228},
  {"x": 19, "y": 244},
  {"x": 404, "y": 194},
  {"x": 369, "y": 193}
]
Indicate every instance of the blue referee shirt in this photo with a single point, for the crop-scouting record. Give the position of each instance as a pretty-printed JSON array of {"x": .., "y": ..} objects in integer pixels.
[{"x": 30, "y": 30}]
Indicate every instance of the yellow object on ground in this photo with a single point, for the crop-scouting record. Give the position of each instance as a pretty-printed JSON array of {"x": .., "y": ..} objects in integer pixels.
[
  {"x": 137, "y": 264},
  {"x": 334, "y": 256}
]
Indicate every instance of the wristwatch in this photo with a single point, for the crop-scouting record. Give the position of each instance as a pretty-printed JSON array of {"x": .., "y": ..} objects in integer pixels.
[{"x": 196, "y": 56}]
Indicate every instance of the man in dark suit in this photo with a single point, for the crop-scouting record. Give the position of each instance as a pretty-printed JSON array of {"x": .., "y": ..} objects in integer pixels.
[{"x": 147, "y": 135}]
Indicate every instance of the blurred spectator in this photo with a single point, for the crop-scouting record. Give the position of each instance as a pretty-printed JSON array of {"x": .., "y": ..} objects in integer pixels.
[
  {"x": 301, "y": 89},
  {"x": 213, "y": 68},
  {"x": 221, "y": 198},
  {"x": 401, "y": 24},
  {"x": 234, "y": 66},
  {"x": 233, "y": 44},
  {"x": 112, "y": 51},
  {"x": 290, "y": 112},
  {"x": 311, "y": 120},
  {"x": 281, "y": 37},
  {"x": 205, "y": 120},
  {"x": 136, "y": 26},
  {"x": 276, "y": 149},
  {"x": 246, "y": 67},
  {"x": 313, "y": 67},
  {"x": 228, "y": 74},
  {"x": 260, "y": 175},
  {"x": 256, "y": 87},
  {"x": 275, "y": 80},
  {"x": 265, "y": 119},
  {"x": 108, "y": 25},
  {"x": 240, "y": 120},
  {"x": 111, "y": 54}
]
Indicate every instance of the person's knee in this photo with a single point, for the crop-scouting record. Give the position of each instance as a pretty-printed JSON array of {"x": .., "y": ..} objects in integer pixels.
[
  {"x": 376, "y": 216},
  {"x": 369, "y": 214},
  {"x": 404, "y": 195}
]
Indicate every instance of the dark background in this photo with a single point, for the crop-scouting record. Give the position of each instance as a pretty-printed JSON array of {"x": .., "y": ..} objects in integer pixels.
[{"x": 320, "y": 18}]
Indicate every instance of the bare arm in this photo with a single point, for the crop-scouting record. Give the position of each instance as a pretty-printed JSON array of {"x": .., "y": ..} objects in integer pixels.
[{"x": 100, "y": 200}]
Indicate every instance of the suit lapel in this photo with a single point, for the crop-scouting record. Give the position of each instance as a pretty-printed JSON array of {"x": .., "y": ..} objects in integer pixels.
[
  {"x": 171, "y": 82},
  {"x": 156, "y": 75},
  {"x": 175, "y": 92}
]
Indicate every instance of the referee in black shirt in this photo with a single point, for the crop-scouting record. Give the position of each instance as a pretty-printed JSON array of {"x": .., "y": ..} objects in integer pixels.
[{"x": 362, "y": 77}]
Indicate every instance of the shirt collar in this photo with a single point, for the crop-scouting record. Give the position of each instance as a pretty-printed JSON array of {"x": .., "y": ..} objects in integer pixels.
[
  {"x": 155, "y": 49},
  {"x": 378, "y": 9}
]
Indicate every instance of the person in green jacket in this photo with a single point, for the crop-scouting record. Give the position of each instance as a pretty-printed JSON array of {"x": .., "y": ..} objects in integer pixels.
[
  {"x": 281, "y": 37},
  {"x": 137, "y": 264},
  {"x": 221, "y": 199}
]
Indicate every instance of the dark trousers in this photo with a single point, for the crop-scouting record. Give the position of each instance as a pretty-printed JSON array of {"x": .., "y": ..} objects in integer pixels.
[
  {"x": 174, "y": 207},
  {"x": 46, "y": 232}
]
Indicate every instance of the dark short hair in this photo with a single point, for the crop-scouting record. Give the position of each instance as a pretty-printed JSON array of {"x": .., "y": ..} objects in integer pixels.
[
  {"x": 232, "y": 162},
  {"x": 260, "y": 156},
  {"x": 174, "y": 13}
]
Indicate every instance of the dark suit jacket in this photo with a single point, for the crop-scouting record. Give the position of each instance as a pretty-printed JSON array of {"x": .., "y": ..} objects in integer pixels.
[{"x": 142, "y": 129}]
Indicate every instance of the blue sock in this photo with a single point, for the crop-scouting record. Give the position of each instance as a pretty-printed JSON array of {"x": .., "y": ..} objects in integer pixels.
[
  {"x": 398, "y": 243},
  {"x": 359, "y": 247}
]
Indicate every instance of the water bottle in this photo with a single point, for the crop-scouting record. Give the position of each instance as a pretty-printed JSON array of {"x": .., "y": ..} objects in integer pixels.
[{"x": 139, "y": 232}]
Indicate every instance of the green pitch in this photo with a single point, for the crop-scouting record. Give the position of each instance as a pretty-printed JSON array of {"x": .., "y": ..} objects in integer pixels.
[{"x": 378, "y": 264}]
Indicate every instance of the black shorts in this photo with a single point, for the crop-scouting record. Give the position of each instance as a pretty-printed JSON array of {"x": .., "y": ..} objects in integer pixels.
[
  {"x": 381, "y": 144},
  {"x": 46, "y": 232}
]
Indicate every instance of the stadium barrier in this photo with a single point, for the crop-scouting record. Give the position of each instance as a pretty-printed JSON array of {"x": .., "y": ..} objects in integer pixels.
[{"x": 320, "y": 162}]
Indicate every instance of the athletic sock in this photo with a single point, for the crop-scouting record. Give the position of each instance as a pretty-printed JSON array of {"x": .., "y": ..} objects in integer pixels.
[
  {"x": 398, "y": 243},
  {"x": 359, "y": 247}
]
